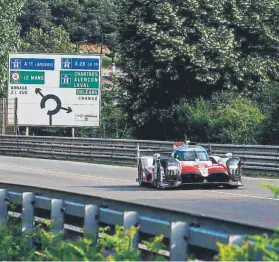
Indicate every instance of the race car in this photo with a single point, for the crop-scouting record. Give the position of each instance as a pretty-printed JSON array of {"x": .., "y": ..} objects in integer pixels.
[{"x": 189, "y": 164}]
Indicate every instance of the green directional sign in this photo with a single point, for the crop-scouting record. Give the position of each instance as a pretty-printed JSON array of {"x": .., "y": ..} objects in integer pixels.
[
  {"x": 79, "y": 79},
  {"x": 27, "y": 78}
]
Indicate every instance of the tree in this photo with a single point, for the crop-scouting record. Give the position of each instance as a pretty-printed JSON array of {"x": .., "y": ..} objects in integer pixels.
[
  {"x": 107, "y": 22},
  {"x": 82, "y": 19},
  {"x": 56, "y": 41},
  {"x": 187, "y": 48},
  {"x": 35, "y": 14},
  {"x": 69, "y": 14},
  {"x": 9, "y": 36}
]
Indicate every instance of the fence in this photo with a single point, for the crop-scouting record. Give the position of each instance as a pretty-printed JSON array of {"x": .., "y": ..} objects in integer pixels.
[
  {"x": 204, "y": 233},
  {"x": 255, "y": 158}
]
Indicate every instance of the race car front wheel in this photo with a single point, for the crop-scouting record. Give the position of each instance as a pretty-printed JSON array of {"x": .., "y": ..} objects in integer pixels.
[{"x": 156, "y": 182}]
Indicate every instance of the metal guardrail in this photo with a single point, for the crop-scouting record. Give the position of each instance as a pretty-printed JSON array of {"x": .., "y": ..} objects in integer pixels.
[
  {"x": 255, "y": 158},
  {"x": 181, "y": 233}
]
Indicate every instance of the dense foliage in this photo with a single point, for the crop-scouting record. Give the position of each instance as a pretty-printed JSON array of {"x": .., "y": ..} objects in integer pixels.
[
  {"x": 224, "y": 118},
  {"x": 82, "y": 19},
  {"x": 183, "y": 49},
  {"x": 268, "y": 102},
  {"x": 57, "y": 40}
]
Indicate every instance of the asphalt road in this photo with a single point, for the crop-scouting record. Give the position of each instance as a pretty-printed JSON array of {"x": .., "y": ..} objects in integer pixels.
[{"x": 251, "y": 204}]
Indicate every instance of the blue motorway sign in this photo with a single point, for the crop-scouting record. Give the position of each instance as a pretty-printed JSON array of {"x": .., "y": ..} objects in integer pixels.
[
  {"x": 80, "y": 63},
  {"x": 31, "y": 64}
]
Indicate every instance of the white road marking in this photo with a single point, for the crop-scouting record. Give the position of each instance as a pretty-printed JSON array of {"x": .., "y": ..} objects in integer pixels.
[{"x": 129, "y": 181}]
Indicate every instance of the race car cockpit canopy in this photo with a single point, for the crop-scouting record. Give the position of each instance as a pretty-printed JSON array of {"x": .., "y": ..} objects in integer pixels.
[{"x": 190, "y": 152}]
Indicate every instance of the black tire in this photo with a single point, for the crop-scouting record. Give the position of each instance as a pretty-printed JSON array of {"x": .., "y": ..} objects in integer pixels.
[{"x": 156, "y": 184}]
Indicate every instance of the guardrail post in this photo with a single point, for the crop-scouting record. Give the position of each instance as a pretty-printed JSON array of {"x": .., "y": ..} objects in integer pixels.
[
  {"x": 179, "y": 241},
  {"x": 3, "y": 207},
  {"x": 91, "y": 220},
  {"x": 28, "y": 202},
  {"x": 235, "y": 239},
  {"x": 130, "y": 219},
  {"x": 57, "y": 215}
]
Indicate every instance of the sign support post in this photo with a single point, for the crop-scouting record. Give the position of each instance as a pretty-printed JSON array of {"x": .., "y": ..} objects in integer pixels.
[
  {"x": 73, "y": 132},
  {"x": 27, "y": 131}
]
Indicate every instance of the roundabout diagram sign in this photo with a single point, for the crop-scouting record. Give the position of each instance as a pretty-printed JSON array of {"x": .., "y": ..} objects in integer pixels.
[
  {"x": 55, "y": 89},
  {"x": 57, "y": 101}
]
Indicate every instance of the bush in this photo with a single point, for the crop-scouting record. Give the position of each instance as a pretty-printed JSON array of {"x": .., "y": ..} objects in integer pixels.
[
  {"x": 236, "y": 121},
  {"x": 225, "y": 118},
  {"x": 117, "y": 247},
  {"x": 268, "y": 101},
  {"x": 198, "y": 114}
]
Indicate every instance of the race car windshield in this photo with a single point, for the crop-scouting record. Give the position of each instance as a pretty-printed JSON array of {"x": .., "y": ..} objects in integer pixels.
[
  {"x": 186, "y": 156},
  {"x": 192, "y": 156},
  {"x": 202, "y": 155}
]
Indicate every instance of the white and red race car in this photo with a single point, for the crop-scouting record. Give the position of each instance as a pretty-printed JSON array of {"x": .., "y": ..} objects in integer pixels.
[{"x": 189, "y": 164}]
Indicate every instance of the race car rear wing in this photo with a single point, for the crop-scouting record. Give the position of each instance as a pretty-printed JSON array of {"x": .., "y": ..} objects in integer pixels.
[
  {"x": 165, "y": 151},
  {"x": 178, "y": 144}
]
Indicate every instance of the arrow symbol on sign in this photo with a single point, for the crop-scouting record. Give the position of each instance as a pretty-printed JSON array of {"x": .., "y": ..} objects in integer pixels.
[
  {"x": 69, "y": 110},
  {"x": 58, "y": 104},
  {"x": 38, "y": 91}
]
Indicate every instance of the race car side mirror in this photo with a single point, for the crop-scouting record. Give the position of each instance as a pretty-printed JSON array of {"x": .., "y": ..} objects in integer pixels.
[
  {"x": 229, "y": 155},
  {"x": 156, "y": 156}
]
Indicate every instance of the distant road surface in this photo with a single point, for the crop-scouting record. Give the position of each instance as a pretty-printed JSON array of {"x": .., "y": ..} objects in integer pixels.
[{"x": 250, "y": 204}]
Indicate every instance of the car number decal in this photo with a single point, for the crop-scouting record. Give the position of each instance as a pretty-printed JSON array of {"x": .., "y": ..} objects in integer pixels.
[{"x": 204, "y": 171}]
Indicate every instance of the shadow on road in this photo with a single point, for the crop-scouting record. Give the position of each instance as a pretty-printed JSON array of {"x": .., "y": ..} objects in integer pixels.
[
  {"x": 116, "y": 188},
  {"x": 147, "y": 188}
]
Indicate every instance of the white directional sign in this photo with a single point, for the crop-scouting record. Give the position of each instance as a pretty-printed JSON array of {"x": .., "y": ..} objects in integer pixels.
[{"x": 55, "y": 89}]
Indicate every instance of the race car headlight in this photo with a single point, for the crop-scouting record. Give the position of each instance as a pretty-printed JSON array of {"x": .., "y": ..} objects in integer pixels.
[
  {"x": 233, "y": 165},
  {"x": 172, "y": 170}
]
